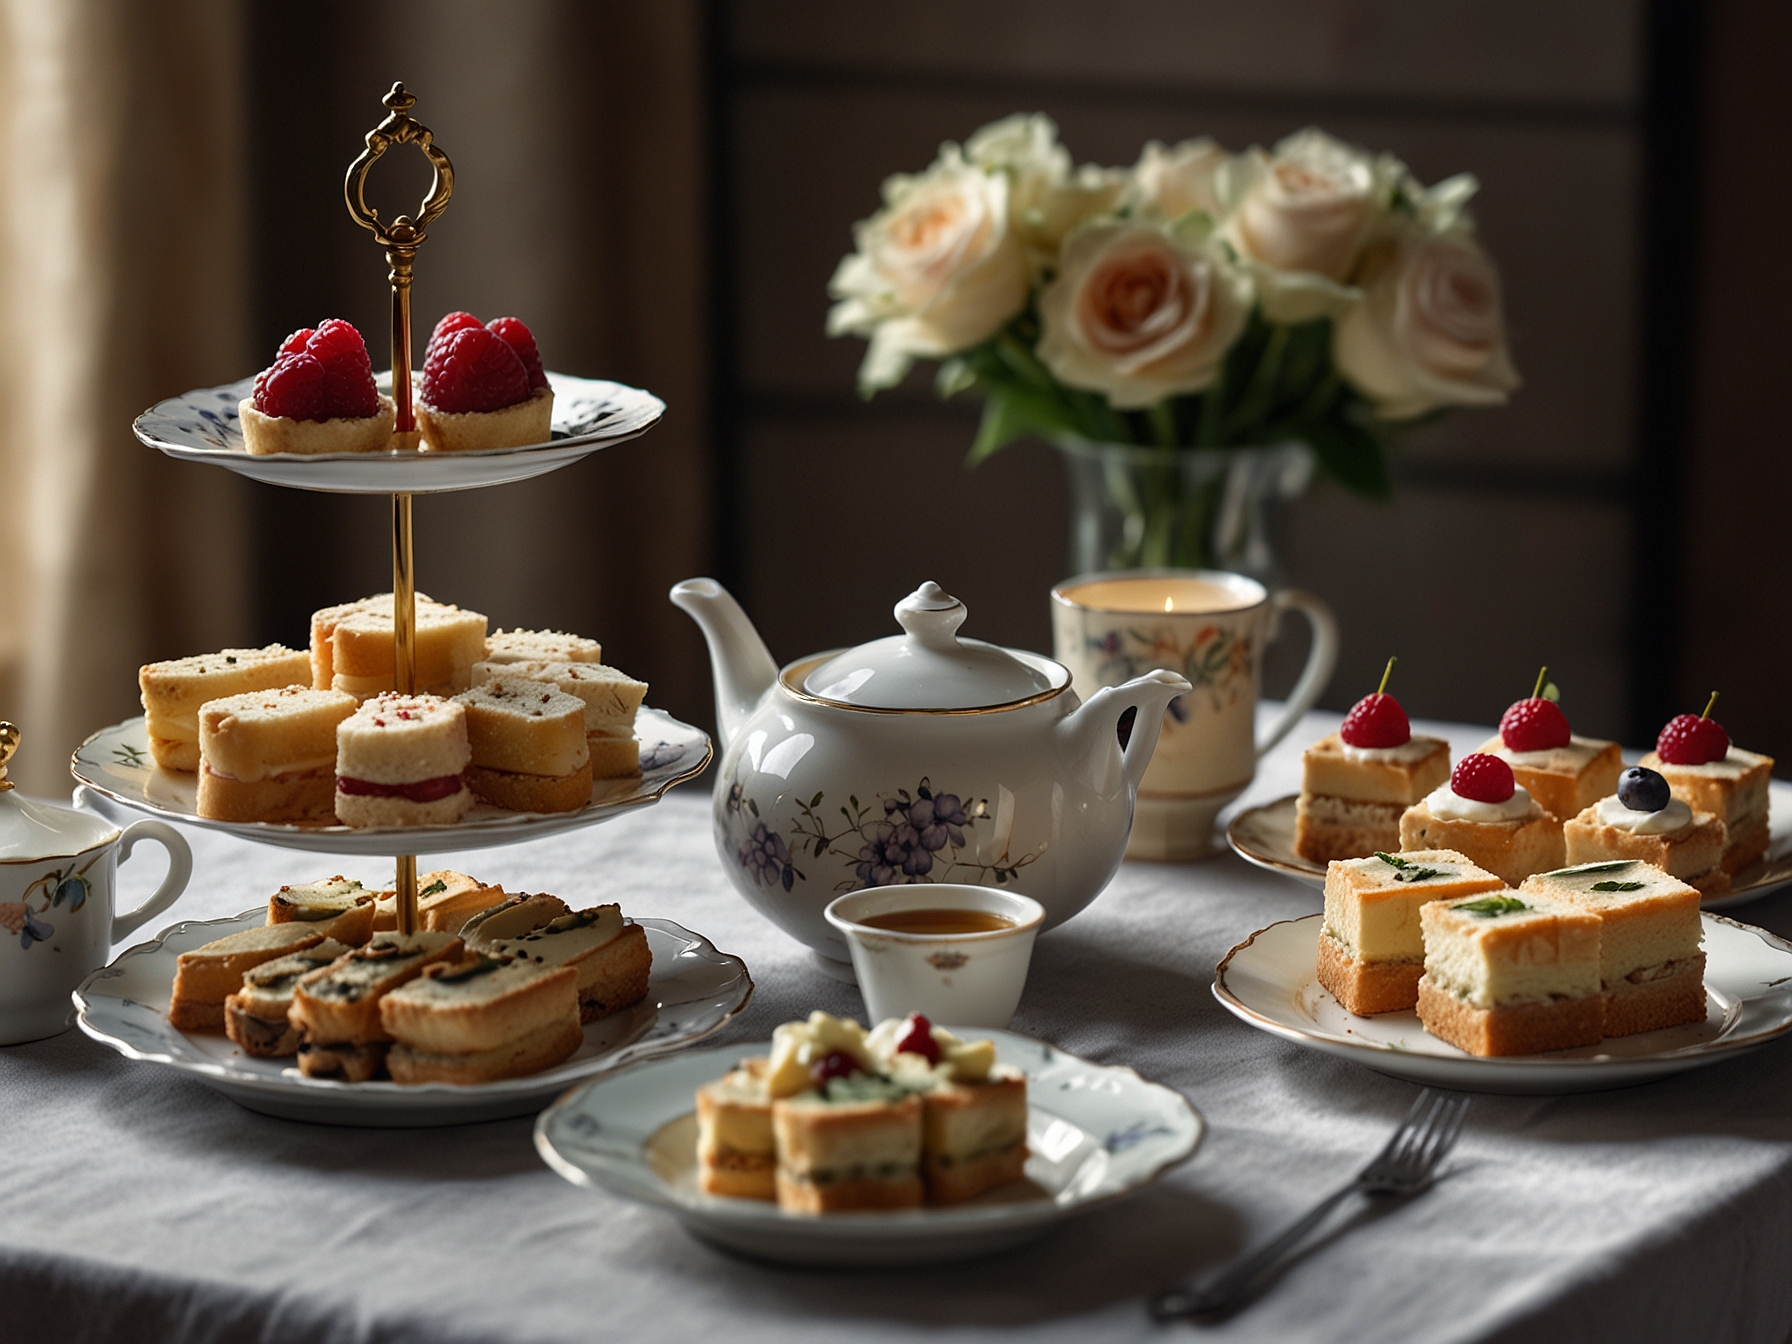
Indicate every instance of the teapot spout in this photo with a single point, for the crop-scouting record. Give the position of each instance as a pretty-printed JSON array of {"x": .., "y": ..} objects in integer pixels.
[
  {"x": 1099, "y": 717},
  {"x": 742, "y": 665}
]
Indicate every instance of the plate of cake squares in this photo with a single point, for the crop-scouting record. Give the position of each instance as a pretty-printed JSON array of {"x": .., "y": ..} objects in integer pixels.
[
  {"x": 1490, "y": 943},
  {"x": 1723, "y": 825},
  {"x": 315, "y": 1007},
  {"x": 905, "y": 1144},
  {"x": 513, "y": 734}
]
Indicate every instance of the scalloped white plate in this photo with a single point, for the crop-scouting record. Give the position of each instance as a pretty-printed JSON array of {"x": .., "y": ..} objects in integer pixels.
[
  {"x": 692, "y": 991},
  {"x": 589, "y": 414},
  {"x": 115, "y": 765},
  {"x": 1096, "y": 1132},
  {"x": 1269, "y": 981},
  {"x": 1264, "y": 836}
]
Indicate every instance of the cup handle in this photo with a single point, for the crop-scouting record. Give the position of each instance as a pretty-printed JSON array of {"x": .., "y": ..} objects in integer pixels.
[
  {"x": 1321, "y": 659},
  {"x": 180, "y": 868}
]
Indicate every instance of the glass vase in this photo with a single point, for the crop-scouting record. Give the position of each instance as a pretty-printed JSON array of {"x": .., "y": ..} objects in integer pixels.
[{"x": 1135, "y": 507}]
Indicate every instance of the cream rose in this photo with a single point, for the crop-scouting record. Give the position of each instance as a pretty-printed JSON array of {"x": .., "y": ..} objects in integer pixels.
[
  {"x": 1047, "y": 197},
  {"x": 1169, "y": 183},
  {"x": 1429, "y": 331},
  {"x": 937, "y": 270},
  {"x": 1141, "y": 312}
]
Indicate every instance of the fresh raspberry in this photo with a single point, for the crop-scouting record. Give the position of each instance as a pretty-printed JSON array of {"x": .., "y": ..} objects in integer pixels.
[
  {"x": 474, "y": 370},
  {"x": 917, "y": 1039},
  {"x": 294, "y": 388},
  {"x": 1689, "y": 740},
  {"x": 447, "y": 327},
  {"x": 1376, "y": 721},
  {"x": 834, "y": 1064},
  {"x": 1483, "y": 779},
  {"x": 349, "y": 373},
  {"x": 295, "y": 343},
  {"x": 1535, "y": 724},
  {"x": 520, "y": 339}
]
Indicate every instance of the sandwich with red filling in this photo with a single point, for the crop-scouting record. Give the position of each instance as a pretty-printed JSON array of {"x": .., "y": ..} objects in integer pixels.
[{"x": 401, "y": 760}]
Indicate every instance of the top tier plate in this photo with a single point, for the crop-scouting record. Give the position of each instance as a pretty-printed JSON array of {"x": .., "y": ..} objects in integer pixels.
[{"x": 589, "y": 414}]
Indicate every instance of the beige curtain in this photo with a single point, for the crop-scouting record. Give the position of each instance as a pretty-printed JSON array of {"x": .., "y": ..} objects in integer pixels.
[{"x": 120, "y": 186}]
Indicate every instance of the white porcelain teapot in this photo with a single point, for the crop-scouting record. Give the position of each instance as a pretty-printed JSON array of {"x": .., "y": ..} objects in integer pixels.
[{"x": 922, "y": 757}]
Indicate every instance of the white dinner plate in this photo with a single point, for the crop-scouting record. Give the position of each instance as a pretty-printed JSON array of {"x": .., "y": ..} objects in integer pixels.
[
  {"x": 693, "y": 990},
  {"x": 1096, "y": 1132},
  {"x": 1264, "y": 836},
  {"x": 115, "y": 765},
  {"x": 589, "y": 414},
  {"x": 1269, "y": 981}
]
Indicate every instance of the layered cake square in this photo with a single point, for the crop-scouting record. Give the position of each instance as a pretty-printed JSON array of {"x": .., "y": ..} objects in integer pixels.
[
  {"x": 1351, "y": 798},
  {"x": 1733, "y": 788},
  {"x": 1371, "y": 950},
  {"x": 1651, "y": 967},
  {"x": 1687, "y": 844},
  {"x": 1484, "y": 814},
  {"x": 1511, "y": 974},
  {"x": 1566, "y": 779}
]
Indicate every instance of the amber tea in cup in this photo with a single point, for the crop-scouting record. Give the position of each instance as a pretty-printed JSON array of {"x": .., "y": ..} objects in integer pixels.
[{"x": 938, "y": 921}]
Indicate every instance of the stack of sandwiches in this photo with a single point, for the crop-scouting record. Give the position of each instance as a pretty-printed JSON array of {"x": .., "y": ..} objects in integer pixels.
[
  {"x": 501, "y": 1000},
  {"x": 269, "y": 733},
  {"x": 838, "y": 1118}
]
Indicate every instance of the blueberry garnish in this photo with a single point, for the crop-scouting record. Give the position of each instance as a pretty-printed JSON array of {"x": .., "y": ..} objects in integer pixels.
[{"x": 1642, "y": 790}]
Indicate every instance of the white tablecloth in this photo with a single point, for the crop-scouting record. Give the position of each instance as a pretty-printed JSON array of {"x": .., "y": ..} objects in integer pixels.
[{"x": 137, "y": 1204}]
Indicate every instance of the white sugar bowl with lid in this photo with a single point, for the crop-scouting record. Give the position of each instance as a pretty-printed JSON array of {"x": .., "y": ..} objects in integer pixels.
[
  {"x": 921, "y": 757},
  {"x": 57, "y": 926}
]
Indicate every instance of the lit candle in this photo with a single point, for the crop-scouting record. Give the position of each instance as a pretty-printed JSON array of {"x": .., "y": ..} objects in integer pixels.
[{"x": 1167, "y": 593}]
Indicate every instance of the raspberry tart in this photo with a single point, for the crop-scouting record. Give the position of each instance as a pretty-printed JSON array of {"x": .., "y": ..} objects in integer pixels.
[
  {"x": 1563, "y": 771},
  {"x": 317, "y": 397},
  {"x": 1484, "y": 814},
  {"x": 1693, "y": 753},
  {"x": 483, "y": 387},
  {"x": 1643, "y": 820},
  {"x": 1356, "y": 782}
]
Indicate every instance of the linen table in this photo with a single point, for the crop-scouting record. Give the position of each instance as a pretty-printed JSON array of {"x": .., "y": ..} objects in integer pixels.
[{"x": 137, "y": 1204}]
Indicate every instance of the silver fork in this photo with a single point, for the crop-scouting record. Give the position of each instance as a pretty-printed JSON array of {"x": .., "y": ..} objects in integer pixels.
[{"x": 1404, "y": 1167}]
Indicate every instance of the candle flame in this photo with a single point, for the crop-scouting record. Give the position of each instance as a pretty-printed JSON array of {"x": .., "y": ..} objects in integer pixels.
[{"x": 1169, "y": 604}]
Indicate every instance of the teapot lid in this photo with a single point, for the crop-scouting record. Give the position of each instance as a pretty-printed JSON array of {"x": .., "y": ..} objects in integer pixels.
[
  {"x": 930, "y": 667},
  {"x": 33, "y": 830}
]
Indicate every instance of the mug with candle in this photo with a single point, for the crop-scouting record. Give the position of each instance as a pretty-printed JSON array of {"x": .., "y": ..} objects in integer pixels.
[{"x": 1211, "y": 627}]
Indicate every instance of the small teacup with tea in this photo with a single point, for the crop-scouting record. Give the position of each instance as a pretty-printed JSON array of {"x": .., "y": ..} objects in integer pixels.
[{"x": 957, "y": 954}]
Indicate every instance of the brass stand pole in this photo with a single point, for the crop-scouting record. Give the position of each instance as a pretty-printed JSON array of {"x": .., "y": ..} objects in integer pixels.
[{"x": 401, "y": 240}]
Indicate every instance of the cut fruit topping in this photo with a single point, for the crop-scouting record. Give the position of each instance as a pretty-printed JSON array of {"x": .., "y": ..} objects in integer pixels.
[
  {"x": 917, "y": 1039},
  {"x": 1483, "y": 779},
  {"x": 474, "y": 370},
  {"x": 520, "y": 339},
  {"x": 420, "y": 791},
  {"x": 1693, "y": 739},
  {"x": 320, "y": 373},
  {"x": 1643, "y": 790},
  {"x": 834, "y": 1064}
]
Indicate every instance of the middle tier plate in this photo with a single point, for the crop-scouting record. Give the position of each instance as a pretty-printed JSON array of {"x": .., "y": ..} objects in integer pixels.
[{"x": 122, "y": 779}]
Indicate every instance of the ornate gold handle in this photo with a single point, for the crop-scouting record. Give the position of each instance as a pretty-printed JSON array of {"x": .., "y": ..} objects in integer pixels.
[
  {"x": 399, "y": 128},
  {"x": 9, "y": 743}
]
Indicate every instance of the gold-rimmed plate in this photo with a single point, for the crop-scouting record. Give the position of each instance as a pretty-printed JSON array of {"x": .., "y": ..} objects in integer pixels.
[{"x": 1264, "y": 836}]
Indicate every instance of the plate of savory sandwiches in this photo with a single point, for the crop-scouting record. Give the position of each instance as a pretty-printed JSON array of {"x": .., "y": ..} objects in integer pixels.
[
  {"x": 517, "y": 734},
  {"x": 907, "y": 1144},
  {"x": 1428, "y": 967},
  {"x": 1532, "y": 798},
  {"x": 588, "y": 414},
  {"x": 306, "y": 1010}
]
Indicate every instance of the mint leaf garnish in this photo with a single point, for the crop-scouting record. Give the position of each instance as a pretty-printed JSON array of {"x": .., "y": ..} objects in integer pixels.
[
  {"x": 1616, "y": 886},
  {"x": 1616, "y": 866},
  {"x": 1489, "y": 906}
]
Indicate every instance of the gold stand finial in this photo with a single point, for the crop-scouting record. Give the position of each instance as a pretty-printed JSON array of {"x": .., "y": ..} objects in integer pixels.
[
  {"x": 9, "y": 743},
  {"x": 401, "y": 239}
]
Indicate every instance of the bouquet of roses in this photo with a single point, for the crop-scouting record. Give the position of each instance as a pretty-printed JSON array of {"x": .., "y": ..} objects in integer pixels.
[{"x": 1201, "y": 299}]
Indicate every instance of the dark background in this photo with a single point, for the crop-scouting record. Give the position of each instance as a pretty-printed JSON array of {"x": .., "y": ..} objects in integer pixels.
[{"x": 662, "y": 192}]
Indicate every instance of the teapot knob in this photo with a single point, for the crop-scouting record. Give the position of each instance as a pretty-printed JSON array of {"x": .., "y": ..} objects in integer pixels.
[
  {"x": 931, "y": 616},
  {"x": 9, "y": 743}
]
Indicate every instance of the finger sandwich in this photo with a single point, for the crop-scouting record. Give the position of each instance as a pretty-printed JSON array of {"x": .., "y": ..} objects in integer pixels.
[
  {"x": 611, "y": 700},
  {"x": 173, "y": 692},
  {"x": 481, "y": 1018},
  {"x": 255, "y": 1017},
  {"x": 401, "y": 760},
  {"x": 610, "y": 955},
  {"x": 528, "y": 744},
  {"x": 270, "y": 755},
  {"x": 208, "y": 975},
  {"x": 737, "y": 1152},
  {"x": 352, "y": 647},
  {"x": 337, "y": 1007},
  {"x": 548, "y": 646},
  {"x": 338, "y": 908}
]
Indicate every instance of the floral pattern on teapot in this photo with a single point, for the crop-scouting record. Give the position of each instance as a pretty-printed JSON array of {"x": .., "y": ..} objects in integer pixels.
[
  {"x": 57, "y": 888},
  {"x": 912, "y": 837}
]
